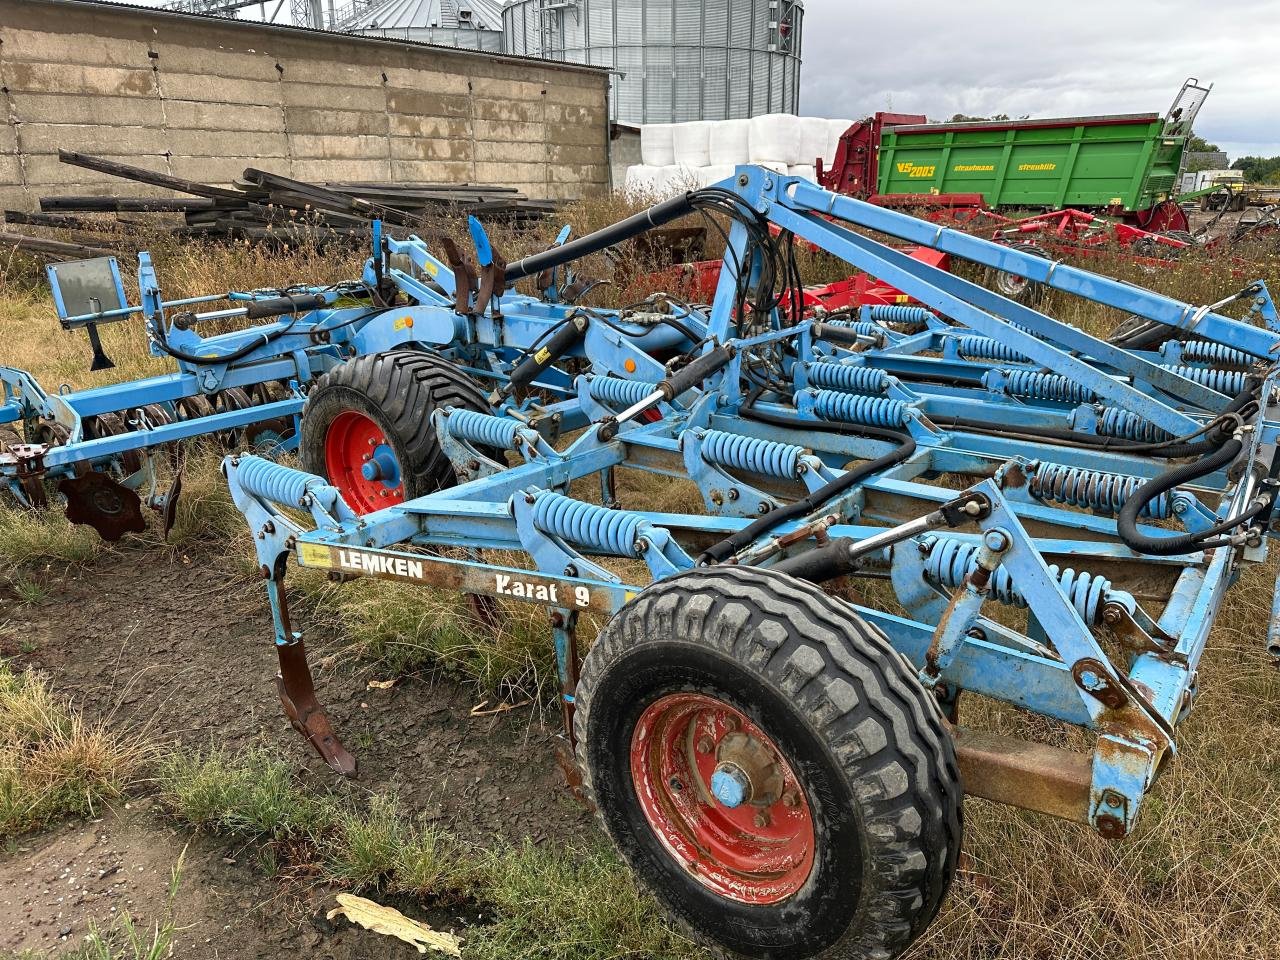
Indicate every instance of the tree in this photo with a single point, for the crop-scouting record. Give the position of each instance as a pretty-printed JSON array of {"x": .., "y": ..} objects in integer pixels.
[
  {"x": 1198, "y": 144},
  {"x": 1259, "y": 169}
]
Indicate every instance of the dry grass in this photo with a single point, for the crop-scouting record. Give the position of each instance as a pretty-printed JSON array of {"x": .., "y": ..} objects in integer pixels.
[
  {"x": 52, "y": 763},
  {"x": 1200, "y": 880}
]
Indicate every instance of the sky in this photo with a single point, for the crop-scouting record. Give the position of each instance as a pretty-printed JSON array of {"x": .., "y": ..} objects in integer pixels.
[{"x": 1046, "y": 59}]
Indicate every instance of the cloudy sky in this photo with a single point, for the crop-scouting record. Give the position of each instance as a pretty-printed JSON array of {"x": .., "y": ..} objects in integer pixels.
[
  {"x": 1054, "y": 59},
  {"x": 1047, "y": 59}
]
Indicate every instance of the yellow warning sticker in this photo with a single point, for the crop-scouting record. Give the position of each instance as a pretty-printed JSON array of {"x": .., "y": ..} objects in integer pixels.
[
  {"x": 543, "y": 355},
  {"x": 314, "y": 555}
]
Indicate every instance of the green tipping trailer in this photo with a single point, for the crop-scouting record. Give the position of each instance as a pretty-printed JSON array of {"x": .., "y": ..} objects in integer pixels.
[{"x": 1125, "y": 164}]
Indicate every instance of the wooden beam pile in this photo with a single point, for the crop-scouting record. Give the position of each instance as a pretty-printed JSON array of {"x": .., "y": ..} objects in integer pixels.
[{"x": 267, "y": 207}]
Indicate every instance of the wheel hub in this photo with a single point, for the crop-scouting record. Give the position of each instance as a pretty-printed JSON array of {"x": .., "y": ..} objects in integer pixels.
[
  {"x": 362, "y": 464},
  {"x": 722, "y": 799}
]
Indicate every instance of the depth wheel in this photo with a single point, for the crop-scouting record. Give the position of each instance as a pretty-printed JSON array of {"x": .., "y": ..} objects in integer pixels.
[
  {"x": 367, "y": 428},
  {"x": 770, "y": 767},
  {"x": 1016, "y": 288}
]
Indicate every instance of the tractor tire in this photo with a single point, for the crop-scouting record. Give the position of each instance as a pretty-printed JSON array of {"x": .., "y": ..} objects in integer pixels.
[
  {"x": 770, "y": 767},
  {"x": 374, "y": 412},
  {"x": 1016, "y": 288}
]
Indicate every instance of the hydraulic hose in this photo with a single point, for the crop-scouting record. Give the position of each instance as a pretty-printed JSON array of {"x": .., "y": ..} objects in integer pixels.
[
  {"x": 656, "y": 216},
  {"x": 1127, "y": 521},
  {"x": 800, "y": 508}
]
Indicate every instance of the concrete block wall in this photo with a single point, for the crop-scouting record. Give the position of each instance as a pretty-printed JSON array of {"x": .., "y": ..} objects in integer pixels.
[{"x": 203, "y": 98}]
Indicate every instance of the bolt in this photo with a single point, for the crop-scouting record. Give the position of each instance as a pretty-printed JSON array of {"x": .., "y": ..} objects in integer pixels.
[
  {"x": 367, "y": 457},
  {"x": 733, "y": 493},
  {"x": 763, "y": 509},
  {"x": 762, "y": 818},
  {"x": 676, "y": 784},
  {"x": 705, "y": 745},
  {"x": 996, "y": 540},
  {"x": 791, "y": 799},
  {"x": 1112, "y": 614}
]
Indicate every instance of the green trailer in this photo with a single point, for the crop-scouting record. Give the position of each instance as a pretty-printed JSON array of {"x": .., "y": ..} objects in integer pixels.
[{"x": 1126, "y": 164}]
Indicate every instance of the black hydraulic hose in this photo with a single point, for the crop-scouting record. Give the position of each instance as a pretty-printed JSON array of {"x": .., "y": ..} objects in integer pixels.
[
  {"x": 1127, "y": 521},
  {"x": 633, "y": 226},
  {"x": 800, "y": 508}
]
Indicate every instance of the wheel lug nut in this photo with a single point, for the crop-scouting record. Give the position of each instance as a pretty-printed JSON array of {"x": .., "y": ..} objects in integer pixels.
[
  {"x": 762, "y": 818},
  {"x": 705, "y": 745},
  {"x": 791, "y": 799}
]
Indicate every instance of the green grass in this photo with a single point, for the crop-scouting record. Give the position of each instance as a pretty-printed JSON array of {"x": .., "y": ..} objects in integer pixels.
[
  {"x": 52, "y": 763},
  {"x": 576, "y": 902}
]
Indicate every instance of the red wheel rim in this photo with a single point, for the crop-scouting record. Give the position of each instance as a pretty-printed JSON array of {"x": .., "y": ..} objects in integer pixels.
[
  {"x": 362, "y": 464},
  {"x": 759, "y": 851}
]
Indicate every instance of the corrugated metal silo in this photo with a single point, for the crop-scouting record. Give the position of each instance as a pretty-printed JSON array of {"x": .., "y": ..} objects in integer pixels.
[
  {"x": 678, "y": 59},
  {"x": 471, "y": 24}
]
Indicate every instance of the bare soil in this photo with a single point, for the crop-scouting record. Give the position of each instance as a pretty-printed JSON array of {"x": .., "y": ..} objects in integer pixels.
[{"x": 177, "y": 647}]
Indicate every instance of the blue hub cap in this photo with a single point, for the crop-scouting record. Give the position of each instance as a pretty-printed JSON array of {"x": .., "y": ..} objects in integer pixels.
[
  {"x": 729, "y": 785},
  {"x": 382, "y": 466}
]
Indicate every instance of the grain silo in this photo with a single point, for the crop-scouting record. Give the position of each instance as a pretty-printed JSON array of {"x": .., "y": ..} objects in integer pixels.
[
  {"x": 470, "y": 24},
  {"x": 676, "y": 60}
]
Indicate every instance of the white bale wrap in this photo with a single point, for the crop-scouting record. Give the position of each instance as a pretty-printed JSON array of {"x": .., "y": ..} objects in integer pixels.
[
  {"x": 691, "y": 143},
  {"x": 835, "y": 130},
  {"x": 814, "y": 139},
  {"x": 715, "y": 173},
  {"x": 730, "y": 142},
  {"x": 642, "y": 181},
  {"x": 807, "y": 170},
  {"x": 657, "y": 144},
  {"x": 775, "y": 138}
]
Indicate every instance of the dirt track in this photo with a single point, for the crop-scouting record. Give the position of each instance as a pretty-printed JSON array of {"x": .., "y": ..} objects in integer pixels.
[{"x": 178, "y": 648}]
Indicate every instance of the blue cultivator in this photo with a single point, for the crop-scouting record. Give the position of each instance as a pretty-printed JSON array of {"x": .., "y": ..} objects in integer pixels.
[
  {"x": 1043, "y": 518},
  {"x": 101, "y": 445}
]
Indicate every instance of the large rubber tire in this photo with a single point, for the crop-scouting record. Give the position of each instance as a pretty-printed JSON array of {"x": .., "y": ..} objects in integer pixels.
[
  {"x": 844, "y": 710},
  {"x": 398, "y": 391}
]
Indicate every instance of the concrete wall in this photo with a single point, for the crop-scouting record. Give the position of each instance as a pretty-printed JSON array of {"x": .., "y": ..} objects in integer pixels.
[{"x": 203, "y": 98}]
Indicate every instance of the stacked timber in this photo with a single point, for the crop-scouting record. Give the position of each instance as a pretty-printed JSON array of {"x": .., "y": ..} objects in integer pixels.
[{"x": 270, "y": 208}]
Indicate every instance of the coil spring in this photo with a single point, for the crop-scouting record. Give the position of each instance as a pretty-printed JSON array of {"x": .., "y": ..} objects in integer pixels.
[
  {"x": 274, "y": 482},
  {"x": 619, "y": 393},
  {"x": 1124, "y": 425},
  {"x": 1229, "y": 382},
  {"x": 832, "y": 375},
  {"x": 862, "y": 328},
  {"x": 1203, "y": 351},
  {"x": 851, "y": 408},
  {"x": 596, "y": 528},
  {"x": 900, "y": 314},
  {"x": 950, "y": 561},
  {"x": 483, "y": 429},
  {"x": 985, "y": 348},
  {"x": 1046, "y": 386},
  {"x": 767, "y": 457},
  {"x": 1093, "y": 489}
]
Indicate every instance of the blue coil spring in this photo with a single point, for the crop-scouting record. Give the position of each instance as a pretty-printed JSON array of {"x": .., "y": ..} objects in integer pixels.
[
  {"x": 1093, "y": 489},
  {"x": 832, "y": 375},
  {"x": 1202, "y": 351},
  {"x": 483, "y": 429},
  {"x": 618, "y": 393},
  {"x": 1046, "y": 386},
  {"x": 1124, "y": 425},
  {"x": 950, "y": 561},
  {"x": 1230, "y": 382},
  {"x": 274, "y": 482},
  {"x": 862, "y": 328},
  {"x": 901, "y": 315},
  {"x": 598, "y": 529},
  {"x": 985, "y": 348},
  {"x": 852, "y": 408},
  {"x": 767, "y": 457}
]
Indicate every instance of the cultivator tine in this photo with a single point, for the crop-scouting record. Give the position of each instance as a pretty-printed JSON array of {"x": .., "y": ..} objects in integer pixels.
[
  {"x": 169, "y": 511},
  {"x": 298, "y": 695},
  {"x": 100, "y": 359},
  {"x": 95, "y": 499}
]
